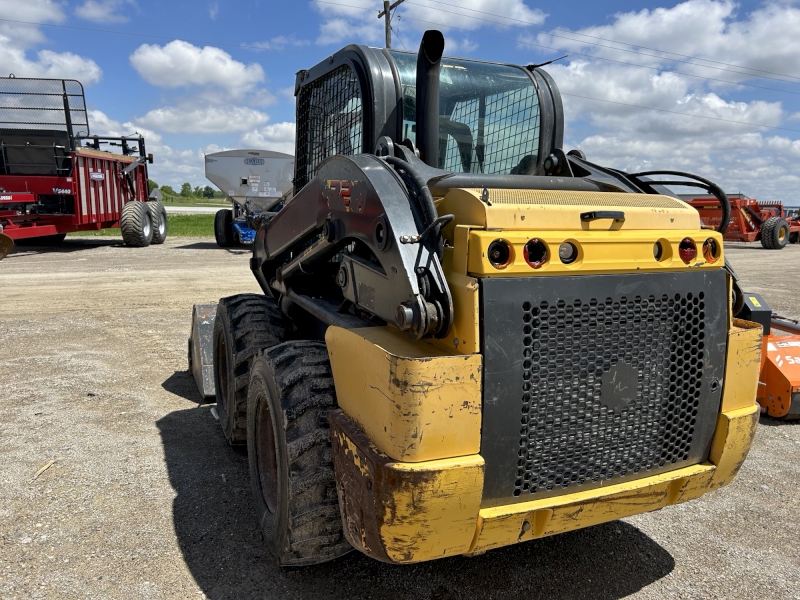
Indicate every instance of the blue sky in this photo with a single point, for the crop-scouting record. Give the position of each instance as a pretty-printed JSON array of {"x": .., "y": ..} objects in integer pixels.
[{"x": 219, "y": 74}]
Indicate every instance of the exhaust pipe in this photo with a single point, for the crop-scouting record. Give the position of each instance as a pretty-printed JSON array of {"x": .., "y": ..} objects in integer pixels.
[{"x": 428, "y": 66}]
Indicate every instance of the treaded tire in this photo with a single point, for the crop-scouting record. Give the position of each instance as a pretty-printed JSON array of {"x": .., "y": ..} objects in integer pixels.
[
  {"x": 45, "y": 240},
  {"x": 774, "y": 233},
  {"x": 244, "y": 325},
  {"x": 794, "y": 237},
  {"x": 136, "y": 224},
  {"x": 158, "y": 218},
  {"x": 289, "y": 453},
  {"x": 223, "y": 228}
]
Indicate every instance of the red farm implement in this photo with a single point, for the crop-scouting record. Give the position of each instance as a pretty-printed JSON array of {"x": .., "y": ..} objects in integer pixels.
[
  {"x": 55, "y": 178},
  {"x": 751, "y": 220}
]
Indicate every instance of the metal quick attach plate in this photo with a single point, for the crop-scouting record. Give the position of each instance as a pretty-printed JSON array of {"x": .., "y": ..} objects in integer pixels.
[{"x": 592, "y": 380}]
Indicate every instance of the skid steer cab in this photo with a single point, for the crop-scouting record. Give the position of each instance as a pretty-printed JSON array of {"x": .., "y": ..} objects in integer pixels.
[{"x": 467, "y": 337}]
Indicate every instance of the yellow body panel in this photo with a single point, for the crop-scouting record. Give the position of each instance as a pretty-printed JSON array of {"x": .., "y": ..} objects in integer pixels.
[
  {"x": 598, "y": 252},
  {"x": 541, "y": 210},
  {"x": 402, "y": 512},
  {"x": 415, "y": 401},
  {"x": 743, "y": 366}
]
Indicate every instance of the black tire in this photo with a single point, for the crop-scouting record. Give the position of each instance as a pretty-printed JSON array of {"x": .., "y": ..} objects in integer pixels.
[
  {"x": 136, "y": 224},
  {"x": 775, "y": 233},
  {"x": 289, "y": 452},
  {"x": 45, "y": 240},
  {"x": 223, "y": 228},
  {"x": 158, "y": 217},
  {"x": 244, "y": 325},
  {"x": 794, "y": 237}
]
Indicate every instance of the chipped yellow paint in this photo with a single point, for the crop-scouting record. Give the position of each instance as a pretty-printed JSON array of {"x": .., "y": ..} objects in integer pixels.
[
  {"x": 742, "y": 366},
  {"x": 550, "y": 210},
  {"x": 415, "y": 400},
  {"x": 599, "y": 252},
  {"x": 731, "y": 443},
  {"x": 434, "y": 508},
  {"x": 509, "y": 524}
]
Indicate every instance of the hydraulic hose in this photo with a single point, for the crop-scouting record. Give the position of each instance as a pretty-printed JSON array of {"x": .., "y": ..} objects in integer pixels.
[
  {"x": 426, "y": 204},
  {"x": 709, "y": 186}
]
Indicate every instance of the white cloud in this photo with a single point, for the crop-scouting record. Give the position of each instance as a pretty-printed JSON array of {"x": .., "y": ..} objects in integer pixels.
[
  {"x": 209, "y": 119},
  {"x": 23, "y": 35},
  {"x": 105, "y": 11},
  {"x": 49, "y": 64},
  {"x": 213, "y": 9},
  {"x": 740, "y": 157},
  {"x": 344, "y": 23},
  {"x": 279, "y": 43},
  {"x": 170, "y": 165},
  {"x": 181, "y": 64},
  {"x": 278, "y": 137}
]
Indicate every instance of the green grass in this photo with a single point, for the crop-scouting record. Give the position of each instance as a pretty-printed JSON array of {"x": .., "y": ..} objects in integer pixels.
[{"x": 177, "y": 225}]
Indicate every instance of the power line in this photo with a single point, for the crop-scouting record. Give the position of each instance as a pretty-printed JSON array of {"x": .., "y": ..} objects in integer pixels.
[
  {"x": 386, "y": 13},
  {"x": 546, "y": 29},
  {"x": 599, "y": 45},
  {"x": 675, "y": 112},
  {"x": 593, "y": 57}
]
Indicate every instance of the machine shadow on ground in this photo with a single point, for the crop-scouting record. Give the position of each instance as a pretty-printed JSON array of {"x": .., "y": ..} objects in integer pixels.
[
  {"x": 214, "y": 246},
  {"x": 218, "y": 534},
  {"x": 66, "y": 247}
]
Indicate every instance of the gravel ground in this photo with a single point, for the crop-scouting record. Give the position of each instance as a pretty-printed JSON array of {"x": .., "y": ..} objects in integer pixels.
[{"x": 145, "y": 500}]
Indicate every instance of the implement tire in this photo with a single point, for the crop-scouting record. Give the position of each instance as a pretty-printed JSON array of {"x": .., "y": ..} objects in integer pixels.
[
  {"x": 223, "y": 228},
  {"x": 158, "y": 217},
  {"x": 136, "y": 224},
  {"x": 289, "y": 453},
  {"x": 775, "y": 233},
  {"x": 244, "y": 325}
]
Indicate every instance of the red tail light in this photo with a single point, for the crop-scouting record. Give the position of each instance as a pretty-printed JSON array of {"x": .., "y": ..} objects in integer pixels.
[{"x": 687, "y": 250}]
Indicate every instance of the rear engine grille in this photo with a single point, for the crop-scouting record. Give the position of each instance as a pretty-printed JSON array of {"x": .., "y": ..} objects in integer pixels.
[
  {"x": 594, "y": 379},
  {"x": 570, "y": 434}
]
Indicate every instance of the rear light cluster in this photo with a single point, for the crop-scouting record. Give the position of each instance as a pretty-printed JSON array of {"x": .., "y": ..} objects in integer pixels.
[{"x": 537, "y": 253}]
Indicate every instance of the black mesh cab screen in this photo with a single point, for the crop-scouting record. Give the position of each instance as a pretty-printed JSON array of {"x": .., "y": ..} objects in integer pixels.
[{"x": 593, "y": 380}]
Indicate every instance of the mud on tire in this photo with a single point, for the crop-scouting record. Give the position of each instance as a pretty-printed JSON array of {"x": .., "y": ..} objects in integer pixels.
[
  {"x": 290, "y": 394},
  {"x": 136, "y": 224},
  {"x": 244, "y": 325}
]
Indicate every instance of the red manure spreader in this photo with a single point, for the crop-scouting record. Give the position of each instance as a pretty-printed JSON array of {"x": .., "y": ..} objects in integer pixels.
[
  {"x": 55, "y": 178},
  {"x": 751, "y": 220}
]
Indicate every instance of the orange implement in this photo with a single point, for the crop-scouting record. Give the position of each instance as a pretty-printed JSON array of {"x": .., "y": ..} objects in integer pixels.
[{"x": 779, "y": 385}]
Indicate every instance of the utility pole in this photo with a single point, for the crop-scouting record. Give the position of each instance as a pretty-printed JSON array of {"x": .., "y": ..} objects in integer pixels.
[{"x": 387, "y": 18}]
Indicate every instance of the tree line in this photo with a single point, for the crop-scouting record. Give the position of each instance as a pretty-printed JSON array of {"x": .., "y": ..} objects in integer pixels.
[{"x": 187, "y": 191}]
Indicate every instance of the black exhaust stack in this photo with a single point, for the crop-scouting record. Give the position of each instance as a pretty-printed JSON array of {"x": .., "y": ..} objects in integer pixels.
[{"x": 428, "y": 65}]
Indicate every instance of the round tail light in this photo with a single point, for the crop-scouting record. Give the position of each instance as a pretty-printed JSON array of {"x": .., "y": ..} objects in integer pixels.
[
  {"x": 500, "y": 254},
  {"x": 711, "y": 250},
  {"x": 687, "y": 250},
  {"x": 536, "y": 253}
]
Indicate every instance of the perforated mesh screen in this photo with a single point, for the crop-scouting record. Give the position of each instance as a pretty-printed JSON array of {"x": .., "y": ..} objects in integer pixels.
[
  {"x": 578, "y": 357},
  {"x": 329, "y": 121},
  {"x": 39, "y": 104}
]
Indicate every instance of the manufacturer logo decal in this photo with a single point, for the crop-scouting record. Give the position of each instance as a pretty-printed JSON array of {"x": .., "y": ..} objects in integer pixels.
[
  {"x": 97, "y": 176},
  {"x": 344, "y": 189},
  {"x": 254, "y": 161},
  {"x": 6, "y": 198},
  {"x": 618, "y": 387},
  {"x": 62, "y": 191}
]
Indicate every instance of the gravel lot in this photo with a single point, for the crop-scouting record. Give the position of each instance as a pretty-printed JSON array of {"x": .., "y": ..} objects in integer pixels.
[{"x": 145, "y": 500}]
